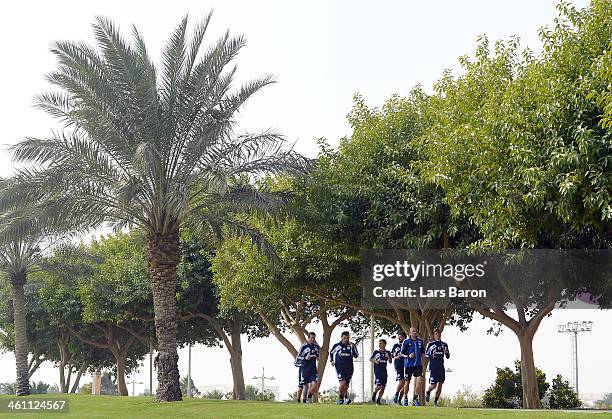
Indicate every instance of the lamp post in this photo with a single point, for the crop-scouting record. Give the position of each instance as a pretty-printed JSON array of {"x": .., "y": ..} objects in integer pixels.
[
  {"x": 189, "y": 373},
  {"x": 133, "y": 383},
  {"x": 263, "y": 379},
  {"x": 575, "y": 328}
]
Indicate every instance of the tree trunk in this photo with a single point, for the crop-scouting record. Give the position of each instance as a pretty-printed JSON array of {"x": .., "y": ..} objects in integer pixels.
[
  {"x": 323, "y": 354},
  {"x": 21, "y": 339},
  {"x": 163, "y": 254},
  {"x": 524, "y": 330},
  {"x": 531, "y": 394},
  {"x": 63, "y": 387},
  {"x": 121, "y": 387},
  {"x": 236, "y": 361},
  {"x": 75, "y": 386},
  {"x": 63, "y": 361},
  {"x": 278, "y": 334}
]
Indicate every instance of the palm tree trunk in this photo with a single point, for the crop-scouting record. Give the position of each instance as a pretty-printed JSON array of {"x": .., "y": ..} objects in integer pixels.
[
  {"x": 21, "y": 339},
  {"x": 163, "y": 254}
]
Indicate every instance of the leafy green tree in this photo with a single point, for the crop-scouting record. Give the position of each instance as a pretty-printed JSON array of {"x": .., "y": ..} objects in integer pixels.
[
  {"x": 148, "y": 146},
  {"x": 203, "y": 319},
  {"x": 48, "y": 339},
  {"x": 369, "y": 193},
  {"x": 507, "y": 389},
  {"x": 561, "y": 395},
  {"x": 249, "y": 281},
  {"x": 96, "y": 294},
  {"x": 518, "y": 145}
]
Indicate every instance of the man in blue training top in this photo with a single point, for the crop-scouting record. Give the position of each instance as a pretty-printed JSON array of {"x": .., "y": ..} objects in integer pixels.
[
  {"x": 380, "y": 358},
  {"x": 398, "y": 364},
  {"x": 309, "y": 354},
  {"x": 436, "y": 352},
  {"x": 341, "y": 357},
  {"x": 412, "y": 351},
  {"x": 298, "y": 363}
]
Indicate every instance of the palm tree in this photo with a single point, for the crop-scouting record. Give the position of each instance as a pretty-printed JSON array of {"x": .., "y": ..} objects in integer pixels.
[
  {"x": 149, "y": 147},
  {"x": 19, "y": 255}
]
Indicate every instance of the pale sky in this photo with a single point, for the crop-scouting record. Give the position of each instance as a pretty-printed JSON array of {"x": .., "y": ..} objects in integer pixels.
[{"x": 322, "y": 53}]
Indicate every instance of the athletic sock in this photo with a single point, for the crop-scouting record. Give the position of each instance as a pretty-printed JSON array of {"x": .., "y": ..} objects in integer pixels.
[{"x": 436, "y": 399}]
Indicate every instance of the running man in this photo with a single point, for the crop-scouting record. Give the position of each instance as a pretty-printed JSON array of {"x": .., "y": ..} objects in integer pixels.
[
  {"x": 436, "y": 352},
  {"x": 299, "y": 360},
  {"x": 309, "y": 353},
  {"x": 341, "y": 357},
  {"x": 398, "y": 364},
  {"x": 412, "y": 350},
  {"x": 380, "y": 358}
]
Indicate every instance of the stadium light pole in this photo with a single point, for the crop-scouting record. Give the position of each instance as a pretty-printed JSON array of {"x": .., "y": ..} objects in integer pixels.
[
  {"x": 575, "y": 328},
  {"x": 151, "y": 368},
  {"x": 363, "y": 370},
  {"x": 371, "y": 351},
  {"x": 189, "y": 373}
]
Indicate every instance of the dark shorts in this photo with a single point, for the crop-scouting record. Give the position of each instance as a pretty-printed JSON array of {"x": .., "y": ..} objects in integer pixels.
[
  {"x": 380, "y": 380},
  {"x": 437, "y": 376},
  {"x": 344, "y": 375},
  {"x": 399, "y": 373},
  {"x": 412, "y": 372},
  {"x": 308, "y": 377}
]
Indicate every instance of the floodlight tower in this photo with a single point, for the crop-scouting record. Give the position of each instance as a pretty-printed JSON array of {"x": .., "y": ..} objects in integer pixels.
[{"x": 575, "y": 328}]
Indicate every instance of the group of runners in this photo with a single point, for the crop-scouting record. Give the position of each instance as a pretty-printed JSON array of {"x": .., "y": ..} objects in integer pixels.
[{"x": 406, "y": 356}]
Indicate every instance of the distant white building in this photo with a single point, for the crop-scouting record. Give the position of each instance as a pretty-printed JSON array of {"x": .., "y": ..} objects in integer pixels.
[{"x": 589, "y": 399}]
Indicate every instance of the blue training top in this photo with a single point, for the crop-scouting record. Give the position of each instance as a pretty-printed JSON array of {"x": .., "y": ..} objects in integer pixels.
[
  {"x": 410, "y": 346},
  {"x": 343, "y": 355},
  {"x": 380, "y": 369},
  {"x": 436, "y": 351}
]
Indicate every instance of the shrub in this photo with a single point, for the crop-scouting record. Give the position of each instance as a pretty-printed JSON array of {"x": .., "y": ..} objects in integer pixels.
[
  {"x": 214, "y": 395},
  {"x": 561, "y": 395}
]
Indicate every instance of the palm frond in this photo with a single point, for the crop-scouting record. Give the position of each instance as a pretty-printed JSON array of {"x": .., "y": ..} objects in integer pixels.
[{"x": 222, "y": 226}]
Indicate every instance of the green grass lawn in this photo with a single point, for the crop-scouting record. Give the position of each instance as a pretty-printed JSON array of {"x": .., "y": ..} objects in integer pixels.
[{"x": 86, "y": 406}]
